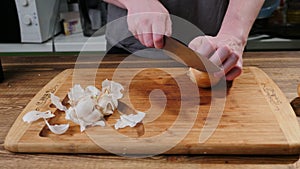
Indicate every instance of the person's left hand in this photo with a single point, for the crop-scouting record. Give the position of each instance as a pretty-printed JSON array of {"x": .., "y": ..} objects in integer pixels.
[{"x": 224, "y": 50}]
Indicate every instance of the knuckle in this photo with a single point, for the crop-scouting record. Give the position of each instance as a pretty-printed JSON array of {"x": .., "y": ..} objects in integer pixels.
[
  {"x": 235, "y": 57},
  {"x": 227, "y": 49}
]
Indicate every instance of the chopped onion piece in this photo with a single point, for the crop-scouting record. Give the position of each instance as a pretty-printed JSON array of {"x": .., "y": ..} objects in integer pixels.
[
  {"x": 129, "y": 120},
  {"x": 75, "y": 94},
  {"x": 99, "y": 123},
  {"x": 57, "y": 129},
  {"x": 92, "y": 91},
  {"x": 84, "y": 107},
  {"x": 84, "y": 114},
  {"x": 57, "y": 103},
  {"x": 112, "y": 88},
  {"x": 108, "y": 104},
  {"x": 35, "y": 115},
  {"x": 87, "y": 108}
]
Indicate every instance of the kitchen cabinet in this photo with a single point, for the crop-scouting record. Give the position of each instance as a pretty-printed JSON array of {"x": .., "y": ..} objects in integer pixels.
[{"x": 62, "y": 43}]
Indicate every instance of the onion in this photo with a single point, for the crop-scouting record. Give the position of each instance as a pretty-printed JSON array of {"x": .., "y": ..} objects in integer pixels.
[
  {"x": 202, "y": 79},
  {"x": 299, "y": 90}
]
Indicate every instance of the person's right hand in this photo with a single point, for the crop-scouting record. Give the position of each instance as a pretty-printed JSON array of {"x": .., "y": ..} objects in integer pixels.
[{"x": 148, "y": 21}]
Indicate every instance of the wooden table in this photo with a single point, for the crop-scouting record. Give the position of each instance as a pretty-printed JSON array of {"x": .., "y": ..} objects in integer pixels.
[
  {"x": 1, "y": 72},
  {"x": 25, "y": 76}
]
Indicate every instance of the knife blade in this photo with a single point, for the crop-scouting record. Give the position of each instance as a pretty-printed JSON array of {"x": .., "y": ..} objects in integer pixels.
[
  {"x": 188, "y": 57},
  {"x": 125, "y": 109}
]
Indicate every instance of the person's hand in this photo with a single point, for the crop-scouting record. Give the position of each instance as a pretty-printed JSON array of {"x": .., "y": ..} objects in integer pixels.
[
  {"x": 224, "y": 50},
  {"x": 148, "y": 21}
]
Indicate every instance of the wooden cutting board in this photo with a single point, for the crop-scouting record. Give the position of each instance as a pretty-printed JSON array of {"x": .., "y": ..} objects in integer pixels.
[{"x": 257, "y": 118}]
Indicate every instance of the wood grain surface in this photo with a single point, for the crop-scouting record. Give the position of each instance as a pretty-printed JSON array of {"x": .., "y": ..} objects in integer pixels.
[
  {"x": 26, "y": 75},
  {"x": 257, "y": 118}
]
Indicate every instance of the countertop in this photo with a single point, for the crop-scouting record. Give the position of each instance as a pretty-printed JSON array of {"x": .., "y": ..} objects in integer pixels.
[{"x": 26, "y": 75}]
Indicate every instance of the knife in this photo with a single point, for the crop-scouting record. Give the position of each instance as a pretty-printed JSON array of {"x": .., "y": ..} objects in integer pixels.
[
  {"x": 188, "y": 57},
  {"x": 123, "y": 108}
]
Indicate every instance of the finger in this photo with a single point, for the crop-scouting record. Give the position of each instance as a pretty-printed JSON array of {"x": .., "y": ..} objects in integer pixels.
[
  {"x": 147, "y": 35},
  {"x": 207, "y": 48},
  {"x": 158, "y": 41},
  {"x": 193, "y": 45},
  {"x": 131, "y": 27},
  {"x": 168, "y": 29},
  {"x": 148, "y": 40},
  {"x": 140, "y": 37},
  {"x": 158, "y": 32},
  {"x": 220, "y": 55},
  {"x": 228, "y": 64},
  {"x": 233, "y": 73},
  {"x": 203, "y": 46}
]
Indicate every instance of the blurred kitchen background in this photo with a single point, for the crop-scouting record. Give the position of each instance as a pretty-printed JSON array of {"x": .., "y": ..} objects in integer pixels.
[
  {"x": 277, "y": 26},
  {"x": 65, "y": 26}
]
